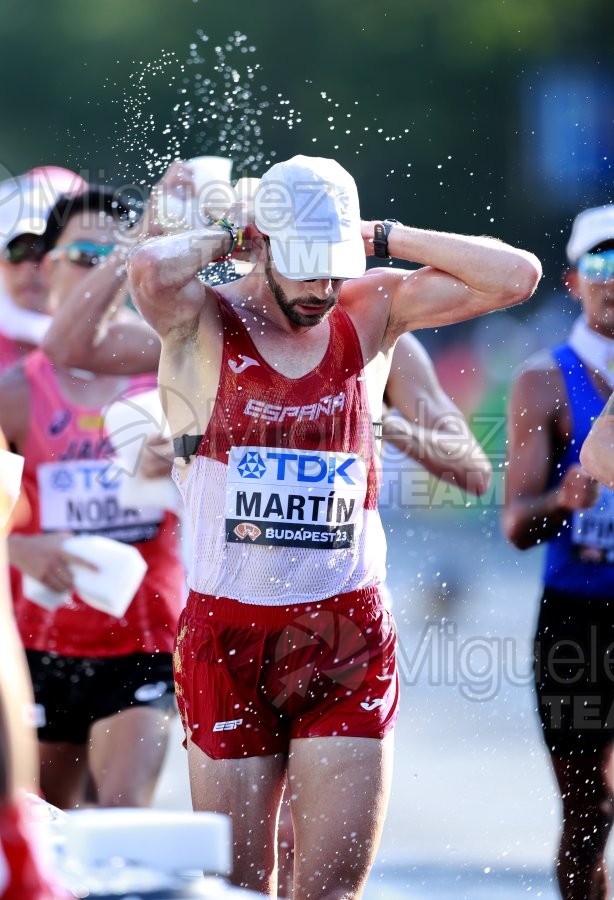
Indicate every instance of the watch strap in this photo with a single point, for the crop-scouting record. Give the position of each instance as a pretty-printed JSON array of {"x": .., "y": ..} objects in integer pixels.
[
  {"x": 381, "y": 230},
  {"x": 380, "y": 241},
  {"x": 388, "y": 223}
]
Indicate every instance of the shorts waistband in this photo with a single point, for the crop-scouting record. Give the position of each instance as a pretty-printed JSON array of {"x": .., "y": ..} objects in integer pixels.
[{"x": 207, "y": 606}]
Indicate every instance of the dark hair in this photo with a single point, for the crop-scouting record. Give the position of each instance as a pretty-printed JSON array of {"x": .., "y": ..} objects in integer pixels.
[
  {"x": 97, "y": 198},
  {"x": 604, "y": 245}
]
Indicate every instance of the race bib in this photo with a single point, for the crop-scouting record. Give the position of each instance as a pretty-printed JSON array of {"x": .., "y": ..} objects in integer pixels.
[
  {"x": 77, "y": 496},
  {"x": 294, "y": 498},
  {"x": 593, "y": 530}
]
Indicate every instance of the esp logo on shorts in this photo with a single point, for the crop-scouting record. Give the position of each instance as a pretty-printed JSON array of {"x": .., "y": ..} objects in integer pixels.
[{"x": 230, "y": 725}]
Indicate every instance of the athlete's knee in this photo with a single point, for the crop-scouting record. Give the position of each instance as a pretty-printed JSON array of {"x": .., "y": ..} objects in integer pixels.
[
  {"x": 331, "y": 878},
  {"x": 114, "y": 793},
  {"x": 252, "y": 873},
  {"x": 336, "y": 889}
]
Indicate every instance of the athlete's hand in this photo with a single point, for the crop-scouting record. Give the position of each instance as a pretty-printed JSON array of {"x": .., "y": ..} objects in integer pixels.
[
  {"x": 42, "y": 557},
  {"x": 577, "y": 489},
  {"x": 167, "y": 201},
  {"x": 366, "y": 230}
]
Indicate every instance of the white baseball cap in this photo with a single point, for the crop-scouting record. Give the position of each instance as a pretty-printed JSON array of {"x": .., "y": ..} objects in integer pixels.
[
  {"x": 308, "y": 207},
  {"x": 590, "y": 228},
  {"x": 25, "y": 201}
]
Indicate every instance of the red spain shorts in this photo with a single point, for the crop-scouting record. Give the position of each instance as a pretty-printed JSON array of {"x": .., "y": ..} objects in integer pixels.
[{"x": 250, "y": 678}]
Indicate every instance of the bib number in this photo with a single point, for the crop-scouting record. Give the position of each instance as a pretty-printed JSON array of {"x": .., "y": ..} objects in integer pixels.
[{"x": 294, "y": 498}]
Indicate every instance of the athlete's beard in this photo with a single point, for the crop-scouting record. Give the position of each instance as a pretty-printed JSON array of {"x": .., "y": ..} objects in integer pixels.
[{"x": 288, "y": 306}]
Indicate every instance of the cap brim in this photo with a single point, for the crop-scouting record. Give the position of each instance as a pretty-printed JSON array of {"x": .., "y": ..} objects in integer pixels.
[
  {"x": 300, "y": 260},
  {"x": 576, "y": 249},
  {"x": 27, "y": 226},
  {"x": 31, "y": 223}
]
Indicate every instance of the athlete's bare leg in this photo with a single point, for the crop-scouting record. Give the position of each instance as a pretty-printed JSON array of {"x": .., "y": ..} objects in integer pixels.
[
  {"x": 586, "y": 784},
  {"x": 249, "y": 791},
  {"x": 127, "y": 753},
  {"x": 63, "y": 773},
  {"x": 339, "y": 790},
  {"x": 285, "y": 848}
]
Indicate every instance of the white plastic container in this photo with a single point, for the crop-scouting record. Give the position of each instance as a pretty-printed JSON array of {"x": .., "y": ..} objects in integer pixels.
[
  {"x": 121, "y": 569},
  {"x": 213, "y": 195},
  {"x": 39, "y": 593},
  {"x": 163, "y": 839},
  {"x": 11, "y": 470},
  {"x": 110, "y": 589}
]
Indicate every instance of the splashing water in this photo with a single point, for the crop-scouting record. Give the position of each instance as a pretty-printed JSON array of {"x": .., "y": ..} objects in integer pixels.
[
  {"x": 217, "y": 110},
  {"x": 221, "y": 106}
]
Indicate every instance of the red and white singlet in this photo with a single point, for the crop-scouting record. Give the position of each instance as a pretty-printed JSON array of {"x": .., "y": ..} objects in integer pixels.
[{"x": 281, "y": 496}]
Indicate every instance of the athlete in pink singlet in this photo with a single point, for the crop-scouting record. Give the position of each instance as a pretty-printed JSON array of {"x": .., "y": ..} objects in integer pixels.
[
  {"x": 103, "y": 686},
  {"x": 285, "y": 659}
]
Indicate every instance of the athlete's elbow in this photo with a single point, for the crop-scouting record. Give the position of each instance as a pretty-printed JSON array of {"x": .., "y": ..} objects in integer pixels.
[
  {"x": 65, "y": 350},
  {"x": 144, "y": 271},
  {"x": 524, "y": 278}
]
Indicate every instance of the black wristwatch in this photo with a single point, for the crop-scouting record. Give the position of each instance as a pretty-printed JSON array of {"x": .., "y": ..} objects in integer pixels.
[{"x": 381, "y": 230}]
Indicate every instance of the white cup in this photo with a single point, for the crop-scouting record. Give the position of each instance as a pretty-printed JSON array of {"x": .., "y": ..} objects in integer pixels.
[
  {"x": 213, "y": 196},
  {"x": 40, "y": 594},
  {"x": 110, "y": 589},
  {"x": 213, "y": 193},
  {"x": 245, "y": 191},
  {"x": 210, "y": 169},
  {"x": 120, "y": 571},
  {"x": 174, "y": 213}
]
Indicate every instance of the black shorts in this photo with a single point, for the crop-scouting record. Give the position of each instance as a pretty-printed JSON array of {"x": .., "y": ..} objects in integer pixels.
[
  {"x": 574, "y": 671},
  {"x": 73, "y": 692}
]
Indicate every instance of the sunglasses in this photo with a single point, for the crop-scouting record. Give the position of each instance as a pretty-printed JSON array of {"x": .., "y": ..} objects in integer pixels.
[
  {"x": 27, "y": 249},
  {"x": 82, "y": 253},
  {"x": 597, "y": 266}
]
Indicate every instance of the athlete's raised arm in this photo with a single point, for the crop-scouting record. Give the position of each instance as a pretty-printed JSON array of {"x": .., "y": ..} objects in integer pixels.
[
  {"x": 461, "y": 276},
  {"x": 426, "y": 425}
]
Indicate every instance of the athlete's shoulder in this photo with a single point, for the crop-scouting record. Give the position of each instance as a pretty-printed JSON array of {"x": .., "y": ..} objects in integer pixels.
[
  {"x": 542, "y": 361},
  {"x": 375, "y": 280},
  {"x": 539, "y": 386}
]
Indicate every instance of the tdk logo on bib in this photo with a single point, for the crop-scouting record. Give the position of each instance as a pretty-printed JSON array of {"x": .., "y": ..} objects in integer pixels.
[
  {"x": 294, "y": 498},
  {"x": 300, "y": 467},
  {"x": 62, "y": 480},
  {"x": 251, "y": 466}
]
